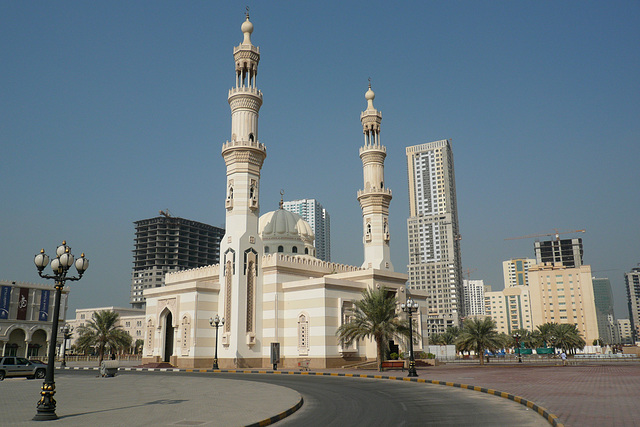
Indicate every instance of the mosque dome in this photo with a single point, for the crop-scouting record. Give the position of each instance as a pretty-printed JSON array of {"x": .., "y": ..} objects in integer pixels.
[{"x": 286, "y": 232}]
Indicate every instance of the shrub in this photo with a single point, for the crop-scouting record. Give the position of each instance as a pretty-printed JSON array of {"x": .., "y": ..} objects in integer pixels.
[{"x": 394, "y": 356}]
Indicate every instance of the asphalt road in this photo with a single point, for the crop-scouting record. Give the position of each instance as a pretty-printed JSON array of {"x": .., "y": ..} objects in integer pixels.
[{"x": 339, "y": 401}]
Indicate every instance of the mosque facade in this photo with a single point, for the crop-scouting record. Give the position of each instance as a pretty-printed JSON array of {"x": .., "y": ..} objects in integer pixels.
[{"x": 269, "y": 287}]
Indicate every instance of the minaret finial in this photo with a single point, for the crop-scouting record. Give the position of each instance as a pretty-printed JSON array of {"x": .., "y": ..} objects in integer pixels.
[
  {"x": 247, "y": 12},
  {"x": 369, "y": 82},
  {"x": 281, "y": 199}
]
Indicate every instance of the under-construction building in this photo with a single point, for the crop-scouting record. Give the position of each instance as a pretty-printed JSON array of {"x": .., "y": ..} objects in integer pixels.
[{"x": 165, "y": 244}]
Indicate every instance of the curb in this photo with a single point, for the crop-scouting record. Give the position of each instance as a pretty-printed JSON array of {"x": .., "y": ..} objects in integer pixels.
[{"x": 551, "y": 418}]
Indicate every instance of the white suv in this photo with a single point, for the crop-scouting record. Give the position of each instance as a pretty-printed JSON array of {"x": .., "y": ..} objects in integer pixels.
[{"x": 20, "y": 367}]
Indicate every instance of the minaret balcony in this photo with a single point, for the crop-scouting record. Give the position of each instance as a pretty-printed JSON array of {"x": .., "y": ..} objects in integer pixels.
[
  {"x": 375, "y": 192},
  {"x": 246, "y": 47},
  {"x": 373, "y": 147},
  {"x": 256, "y": 145},
  {"x": 371, "y": 113},
  {"x": 245, "y": 90}
]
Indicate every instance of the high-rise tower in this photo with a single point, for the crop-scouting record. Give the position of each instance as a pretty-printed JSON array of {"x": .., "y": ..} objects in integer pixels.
[
  {"x": 375, "y": 198},
  {"x": 434, "y": 236},
  {"x": 241, "y": 247},
  {"x": 319, "y": 220}
]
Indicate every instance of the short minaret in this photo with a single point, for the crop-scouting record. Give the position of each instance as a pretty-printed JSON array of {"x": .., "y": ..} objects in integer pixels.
[
  {"x": 241, "y": 247},
  {"x": 375, "y": 198}
]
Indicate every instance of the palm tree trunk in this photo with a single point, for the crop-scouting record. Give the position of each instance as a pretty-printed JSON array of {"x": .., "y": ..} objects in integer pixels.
[{"x": 380, "y": 355}]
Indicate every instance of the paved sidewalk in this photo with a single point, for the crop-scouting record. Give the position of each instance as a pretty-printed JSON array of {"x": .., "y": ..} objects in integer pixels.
[{"x": 144, "y": 400}]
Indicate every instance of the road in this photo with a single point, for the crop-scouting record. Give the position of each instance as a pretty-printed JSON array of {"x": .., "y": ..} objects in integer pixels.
[{"x": 339, "y": 401}]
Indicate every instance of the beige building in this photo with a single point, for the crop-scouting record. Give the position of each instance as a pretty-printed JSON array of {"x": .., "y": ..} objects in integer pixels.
[
  {"x": 269, "y": 287},
  {"x": 130, "y": 320},
  {"x": 26, "y": 318},
  {"x": 564, "y": 295},
  {"x": 510, "y": 309},
  {"x": 624, "y": 329}
]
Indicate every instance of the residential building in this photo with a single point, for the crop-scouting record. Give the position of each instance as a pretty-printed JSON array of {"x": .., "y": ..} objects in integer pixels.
[
  {"x": 565, "y": 251},
  {"x": 166, "y": 244},
  {"x": 561, "y": 294},
  {"x": 624, "y": 329},
  {"x": 26, "y": 318},
  {"x": 603, "y": 299},
  {"x": 510, "y": 309},
  {"x": 632, "y": 282},
  {"x": 130, "y": 320},
  {"x": 516, "y": 271},
  {"x": 318, "y": 218},
  {"x": 474, "y": 297},
  {"x": 434, "y": 236}
]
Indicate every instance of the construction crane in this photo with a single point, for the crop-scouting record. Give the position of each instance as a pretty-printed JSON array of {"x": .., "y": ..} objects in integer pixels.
[
  {"x": 467, "y": 272},
  {"x": 165, "y": 213},
  {"x": 556, "y": 234}
]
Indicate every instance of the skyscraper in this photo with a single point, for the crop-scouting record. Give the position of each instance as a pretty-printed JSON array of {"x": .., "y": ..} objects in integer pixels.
[
  {"x": 632, "y": 280},
  {"x": 318, "y": 218},
  {"x": 565, "y": 251},
  {"x": 166, "y": 243},
  {"x": 434, "y": 237},
  {"x": 603, "y": 299}
]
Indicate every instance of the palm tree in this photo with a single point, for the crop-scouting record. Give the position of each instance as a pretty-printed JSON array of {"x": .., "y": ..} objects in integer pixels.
[
  {"x": 479, "y": 335},
  {"x": 375, "y": 317},
  {"x": 103, "y": 333},
  {"x": 568, "y": 337},
  {"x": 546, "y": 331}
]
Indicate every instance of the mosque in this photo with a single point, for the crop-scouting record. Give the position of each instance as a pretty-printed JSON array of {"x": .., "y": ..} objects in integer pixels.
[{"x": 269, "y": 287}]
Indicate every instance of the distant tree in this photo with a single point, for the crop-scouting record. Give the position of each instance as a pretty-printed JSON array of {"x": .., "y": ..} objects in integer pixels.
[
  {"x": 138, "y": 346},
  {"x": 547, "y": 331},
  {"x": 568, "y": 337},
  {"x": 375, "y": 317},
  {"x": 103, "y": 333},
  {"x": 479, "y": 335}
]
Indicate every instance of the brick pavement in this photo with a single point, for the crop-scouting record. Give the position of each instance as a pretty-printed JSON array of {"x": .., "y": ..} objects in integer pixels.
[{"x": 584, "y": 395}]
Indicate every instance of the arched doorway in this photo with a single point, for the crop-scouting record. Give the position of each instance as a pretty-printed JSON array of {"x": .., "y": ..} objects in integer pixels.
[
  {"x": 168, "y": 338},
  {"x": 38, "y": 344},
  {"x": 16, "y": 344}
]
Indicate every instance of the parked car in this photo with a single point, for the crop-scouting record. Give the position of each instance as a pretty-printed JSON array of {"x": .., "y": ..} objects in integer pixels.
[{"x": 20, "y": 367}]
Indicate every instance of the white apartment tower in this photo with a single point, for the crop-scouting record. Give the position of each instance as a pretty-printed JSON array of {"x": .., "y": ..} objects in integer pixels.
[
  {"x": 434, "y": 237},
  {"x": 474, "y": 297},
  {"x": 318, "y": 218},
  {"x": 375, "y": 198},
  {"x": 516, "y": 271},
  {"x": 241, "y": 247}
]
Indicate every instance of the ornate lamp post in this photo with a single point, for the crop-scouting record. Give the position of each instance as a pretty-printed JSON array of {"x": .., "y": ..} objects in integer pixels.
[
  {"x": 60, "y": 267},
  {"x": 517, "y": 337},
  {"x": 410, "y": 307},
  {"x": 216, "y": 323},
  {"x": 66, "y": 333}
]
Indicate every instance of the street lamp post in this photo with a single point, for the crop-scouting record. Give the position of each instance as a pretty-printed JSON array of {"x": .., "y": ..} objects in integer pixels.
[
  {"x": 517, "y": 337},
  {"x": 216, "y": 323},
  {"x": 66, "y": 333},
  {"x": 60, "y": 267},
  {"x": 411, "y": 307}
]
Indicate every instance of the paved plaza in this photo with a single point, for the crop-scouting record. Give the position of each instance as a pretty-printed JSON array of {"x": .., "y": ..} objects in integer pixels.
[{"x": 584, "y": 395}]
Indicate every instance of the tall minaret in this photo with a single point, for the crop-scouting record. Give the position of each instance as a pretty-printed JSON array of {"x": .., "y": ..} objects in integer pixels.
[
  {"x": 375, "y": 198},
  {"x": 241, "y": 247}
]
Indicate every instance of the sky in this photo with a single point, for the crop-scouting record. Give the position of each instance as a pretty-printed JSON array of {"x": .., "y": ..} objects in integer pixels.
[{"x": 112, "y": 111}]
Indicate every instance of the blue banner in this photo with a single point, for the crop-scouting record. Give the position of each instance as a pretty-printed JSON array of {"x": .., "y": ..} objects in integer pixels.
[
  {"x": 44, "y": 306},
  {"x": 5, "y": 299}
]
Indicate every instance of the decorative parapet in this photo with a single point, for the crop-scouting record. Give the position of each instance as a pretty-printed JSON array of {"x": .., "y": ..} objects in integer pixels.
[
  {"x": 307, "y": 263},
  {"x": 371, "y": 115},
  {"x": 245, "y": 90},
  {"x": 192, "y": 273},
  {"x": 247, "y": 48}
]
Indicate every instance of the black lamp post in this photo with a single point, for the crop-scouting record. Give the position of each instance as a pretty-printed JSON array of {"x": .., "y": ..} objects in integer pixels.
[
  {"x": 216, "y": 323},
  {"x": 411, "y": 307},
  {"x": 60, "y": 267},
  {"x": 517, "y": 337},
  {"x": 66, "y": 333}
]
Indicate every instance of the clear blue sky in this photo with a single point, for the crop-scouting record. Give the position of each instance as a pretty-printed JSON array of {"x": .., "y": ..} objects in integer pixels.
[{"x": 111, "y": 111}]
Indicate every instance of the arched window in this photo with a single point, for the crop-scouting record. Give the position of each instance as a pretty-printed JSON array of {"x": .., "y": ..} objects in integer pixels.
[
  {"x": 306, "y": 251},
  {"x": 251, "y": 137},
  {"x": 281, "y": 248},
  {"x": 294, "y": 250},
  {"x": 266, "y": 249}
]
